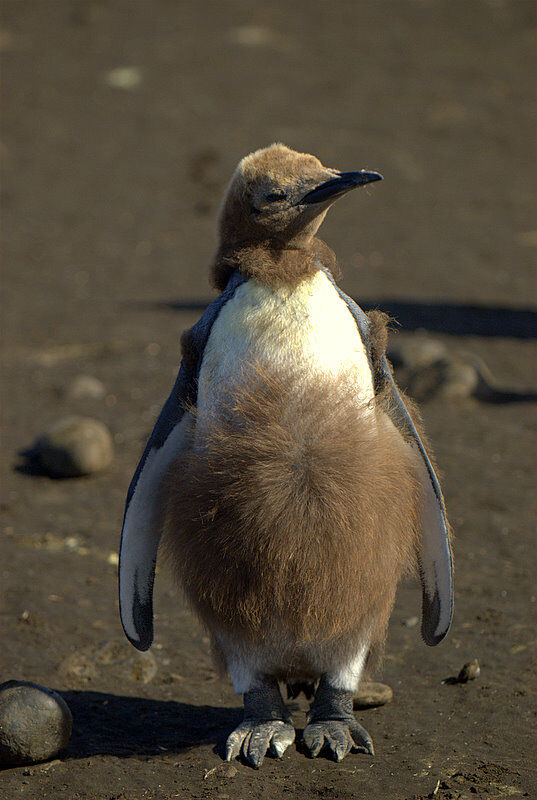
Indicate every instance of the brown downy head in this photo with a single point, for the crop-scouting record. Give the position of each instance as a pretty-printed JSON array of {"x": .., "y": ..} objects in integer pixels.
[{"x": 271, "y": 211}]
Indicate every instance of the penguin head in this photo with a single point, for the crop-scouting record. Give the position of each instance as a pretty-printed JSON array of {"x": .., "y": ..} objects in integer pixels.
[{"x": 279, "y": 196}]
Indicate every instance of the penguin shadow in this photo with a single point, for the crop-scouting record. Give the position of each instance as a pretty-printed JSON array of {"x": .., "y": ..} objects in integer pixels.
[
  {"x": 459, "y": 319},
  {"x": 456, "y": 319},
  {"x": 122, "y": 726}
]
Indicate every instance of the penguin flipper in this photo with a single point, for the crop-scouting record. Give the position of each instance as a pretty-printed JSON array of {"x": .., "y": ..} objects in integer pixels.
[
  {"x": 141, "y": 532},
  {"x": 140, "y": 535},
  {"x": 435, "y": 556}
]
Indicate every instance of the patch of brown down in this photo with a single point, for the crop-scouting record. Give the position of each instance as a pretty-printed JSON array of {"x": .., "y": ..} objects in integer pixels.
[
  {"x": 297, "y": 511},
  {"x": 273, "y": 265}
]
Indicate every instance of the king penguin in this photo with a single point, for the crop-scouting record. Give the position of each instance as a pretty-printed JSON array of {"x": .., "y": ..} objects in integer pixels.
[{"x": 286, "y": 474}]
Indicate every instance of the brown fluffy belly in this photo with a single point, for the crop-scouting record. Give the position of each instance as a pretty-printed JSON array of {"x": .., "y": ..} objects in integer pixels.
[{"x": 295, "y": 513}]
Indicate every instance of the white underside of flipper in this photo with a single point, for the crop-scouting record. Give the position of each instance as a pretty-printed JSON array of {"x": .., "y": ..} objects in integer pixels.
[
  {"x": 434, "y": 556},
  {"x": 140, "y": 538}
]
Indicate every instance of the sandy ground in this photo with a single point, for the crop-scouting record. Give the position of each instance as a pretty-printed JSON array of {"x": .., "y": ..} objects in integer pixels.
[{"x": 111, "y": 185}]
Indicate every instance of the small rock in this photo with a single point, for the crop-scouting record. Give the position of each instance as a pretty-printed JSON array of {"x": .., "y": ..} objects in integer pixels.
[
  {"x": 124, "y": 77},
  {"x": 51, "y": 765},
  {"x": 114, "y": 659},
  {"x": 35, "y": 723},
  {"x": 410, "y": 622},
  {"x": 221, "y": 771},
  {"x": 418, "y": 351},
  {"x": 452, "y": 378},
  {"x": 460, "y": 379},
  {"x": 86, "y": 387},
  {"x": 425, "y": 382},
  {"x": 372, "y": 694},
  {"x": 74, "y": 446},
  {"x": 469, "y": 672}
]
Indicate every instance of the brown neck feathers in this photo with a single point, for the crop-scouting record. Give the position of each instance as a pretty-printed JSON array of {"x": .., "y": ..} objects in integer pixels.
[{"x": 271, "y": 265}]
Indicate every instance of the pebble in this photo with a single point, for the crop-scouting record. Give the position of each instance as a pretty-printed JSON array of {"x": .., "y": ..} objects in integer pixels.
[
  {"x": 460, "y": 379},
  {"x": 115, "y": 659},
  {"x": 74, "y": 446},
  {"x": 35, "y": 723},
  {"x": 86, "y": 387},
  {"x": 451, "y": 378},
  {"x": 469, "y": 672},
  {"x": 124, "y": 77},
  {"x": 371, "y": 694},
  {"x": 221, "y": 771},
  {"x": 419, "y": 351},
  {"x": 410, "y": 622},
  {"x": 433, "y": 370}
]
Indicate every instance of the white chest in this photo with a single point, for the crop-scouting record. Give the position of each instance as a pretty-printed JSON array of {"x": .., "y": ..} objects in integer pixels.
[{"x": 304, "y": 332}]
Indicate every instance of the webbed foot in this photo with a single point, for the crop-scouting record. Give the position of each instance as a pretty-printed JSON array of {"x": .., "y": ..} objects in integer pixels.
[
  {"x": 255, "y": 737},
  {"x": 266, "y": 725},
  {"x": 331, "y": 725},
  {"x": 338, "y": 737}
]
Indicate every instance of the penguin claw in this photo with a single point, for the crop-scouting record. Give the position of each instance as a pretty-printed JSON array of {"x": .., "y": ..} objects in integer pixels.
[
  {"x": 254, "y": 737},
  {"x": 313, "y": 739},
  {"x": 362, "y": 741},
  {"x": 337, "y": 737},
  {"x": 234, "y": 742}
]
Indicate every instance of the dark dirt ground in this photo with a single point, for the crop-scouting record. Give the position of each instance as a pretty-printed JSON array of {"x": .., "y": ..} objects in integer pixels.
[{"x": 110, "y": 196}]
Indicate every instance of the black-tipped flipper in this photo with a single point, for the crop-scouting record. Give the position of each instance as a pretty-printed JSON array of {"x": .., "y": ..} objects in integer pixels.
[
  {"x": 141, "y": 529},
  {"x": 141, "y": 532},
  {"x": 435, "y": 557}
]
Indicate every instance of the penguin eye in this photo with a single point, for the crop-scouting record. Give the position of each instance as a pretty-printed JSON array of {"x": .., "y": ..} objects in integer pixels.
[{"x": 274, "y": 197}]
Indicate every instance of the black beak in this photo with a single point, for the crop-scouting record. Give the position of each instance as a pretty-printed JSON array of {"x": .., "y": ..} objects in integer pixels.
[{"x": 335, "y": 187}]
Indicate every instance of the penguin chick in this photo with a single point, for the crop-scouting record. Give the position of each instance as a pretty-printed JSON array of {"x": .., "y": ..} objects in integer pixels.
[{"x": 285, "y": 473}]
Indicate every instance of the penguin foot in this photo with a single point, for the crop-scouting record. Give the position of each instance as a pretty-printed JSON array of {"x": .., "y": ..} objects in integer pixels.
[
  {"x": 331, "y": 724},
  {"x": 337, "y": 737},
  {"x": 255, "y": 737},
  {"x": 266, "y": 725}
]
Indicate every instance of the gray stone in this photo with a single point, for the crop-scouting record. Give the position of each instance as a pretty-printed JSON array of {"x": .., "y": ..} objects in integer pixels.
[
  {"x": 451, "y": 378},
  {"x": 469, "y": 672},
  {"x": 418, "y": 351},
  {"x": 74, "y": 446},
  {"x": 221, "y": 771},
  {"x": 371, "y": 694},
  {"x": 124, "y": 77},
  {"x": 35, "y": 723},
  {"x": 425, "y": 382},
  {"x": 86, "y": 387},
  {"x": 460, "y": 380}
]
